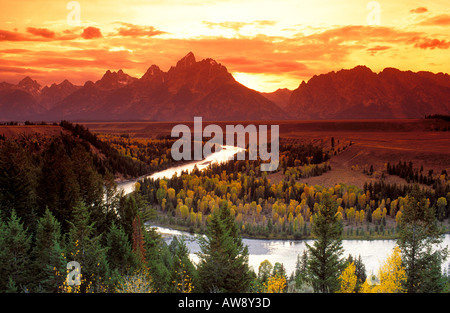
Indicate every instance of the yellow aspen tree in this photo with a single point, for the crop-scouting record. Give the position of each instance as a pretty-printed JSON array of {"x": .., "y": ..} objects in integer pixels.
[
  {"x": 301, "y": 221},
  {"x": 376, "y": 215},
  {"x": 258, "y": 209},
  {"x": 275, "y": 284},
  {"x": 362, "y": 216},
  {"x": 392, "y": 276},
  {"x": 341, "y": 210},
  {"x": 193, "y": 216},
  {"x": 290, "y": 217},
  {"x": 398, "y": 217},
  {"x": 184, "y": 211},
  {"x": 352, "y": 199},
  {"x": 233, "y": 210},
  {"x": 308, "y": 214},
  {"x": 348, "y": 279}
]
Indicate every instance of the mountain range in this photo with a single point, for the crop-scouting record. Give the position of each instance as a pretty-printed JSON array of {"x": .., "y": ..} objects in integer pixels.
[{"x": 206, "y": 88}]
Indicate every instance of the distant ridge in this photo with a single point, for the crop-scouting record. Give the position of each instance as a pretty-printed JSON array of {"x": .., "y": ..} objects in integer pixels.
[
  {"x": 359, "y": 93},
  {"x": 206, "y": 88}
]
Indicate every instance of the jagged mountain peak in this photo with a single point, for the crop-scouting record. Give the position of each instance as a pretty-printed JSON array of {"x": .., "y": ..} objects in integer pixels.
[
  {"x": 28, "y": 82},
  {"x": 152, "y": 71},
  {"x": 112, "y": 80},
  {"x": 187, "y": 61}
]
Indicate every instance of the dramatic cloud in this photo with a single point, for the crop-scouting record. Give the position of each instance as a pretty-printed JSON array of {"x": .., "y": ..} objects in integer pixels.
[
  {"x": 91, "y": 33},
  {"x": 363, "y": 34},
  {"x": 237, "y": 26},
  {"x": 273, "y": 44},
  {"x": 376, "y": 49},
  {"x": 428, "y": 43},
  {"x": 419, "y": 10},
  {"x": 6, "y": 35},
  {"x": 138, "y": 31},
  {"x": 439, "y": 20},
  {"x": 43, "y": 32},
  {"x": 35, "y": 34}
]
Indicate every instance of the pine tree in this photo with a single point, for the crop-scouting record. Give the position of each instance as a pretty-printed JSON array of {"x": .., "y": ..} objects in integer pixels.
[
  {"x": 158, "y": 259},
  {"x": 120, "y": 254},
  {"x": 15, "y": 246},
  {"x": 418, "y": 235},
  {"x": 324, "y": 262},
  {"x": 85, "y": 248},
  {"x": 17, "y": 183},
  {"x": 360, "y": 271},
  {"x": 223, "y": 259},
  {"x": 183, "y": 273},
  {"x": 49, "y": 262},
  {"x": 58, "y": 187}
]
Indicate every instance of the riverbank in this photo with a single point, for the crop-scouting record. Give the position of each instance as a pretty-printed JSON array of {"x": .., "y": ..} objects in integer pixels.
[
  {"x": 372, "y": 252},
  {"x": 390, "y": 234}
]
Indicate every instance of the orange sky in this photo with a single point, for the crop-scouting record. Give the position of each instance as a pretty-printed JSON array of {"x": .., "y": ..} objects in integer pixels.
[{"x": 266, "y": 45}]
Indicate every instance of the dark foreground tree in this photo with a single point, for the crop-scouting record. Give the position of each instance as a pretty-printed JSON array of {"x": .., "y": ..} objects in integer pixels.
[
  {"x": 419, "y": 241},
  {"x": 48, "y": 255},
  {"x": 324, "y": 262},
  {"x": 223, "y": 264},
  {"x": 15, "y": 243}
]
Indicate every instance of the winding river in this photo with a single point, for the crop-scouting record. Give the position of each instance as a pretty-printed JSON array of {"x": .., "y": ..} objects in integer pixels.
[{"x": 373, "y": 252}]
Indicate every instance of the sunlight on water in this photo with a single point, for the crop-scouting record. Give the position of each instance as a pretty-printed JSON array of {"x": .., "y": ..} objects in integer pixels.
[
  {"x": 225, "y": 154},
  {"x": 373, "y": 252}
]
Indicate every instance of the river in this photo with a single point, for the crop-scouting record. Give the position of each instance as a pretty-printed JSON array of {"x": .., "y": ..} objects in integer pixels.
[
  {"x": 373, "y": 252},
  {"x": 223, "y": 155}
]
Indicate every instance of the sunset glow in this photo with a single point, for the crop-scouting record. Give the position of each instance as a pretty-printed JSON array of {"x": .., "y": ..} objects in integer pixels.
[{"x": 266, "y": 45}]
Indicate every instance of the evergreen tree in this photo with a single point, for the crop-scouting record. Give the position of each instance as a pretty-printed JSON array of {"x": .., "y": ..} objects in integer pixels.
[
  {"x": 301, "y": 269},
  {"x": 58, "y": 187},
  {"x": 418, "y": 235},
  {"x": 88, "y": 179},
  {"x": 85, "y": 248},
  {"x": 15, "y": 244},
  {"x": 324, "y": 262},
  {"x": 360, "y": 272},
  {"x": 127, "y": 211},
  {"x": 49, "y": 262},
  {"x": 158, "y": 260},
  {"x": 17, "y": 183},
  {"x": 183, "y": 273},
  {"x": 120, "y": 255},
  {"x": 223, "y": 264}
]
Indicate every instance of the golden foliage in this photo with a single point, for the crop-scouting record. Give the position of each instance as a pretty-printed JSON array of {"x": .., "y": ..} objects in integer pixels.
[
  {"x": 348, "y": 279},
  {"x": 392, "y": 276},
  {"x": 275, "y": 284},
  {"x": 138, "y": 282}
]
